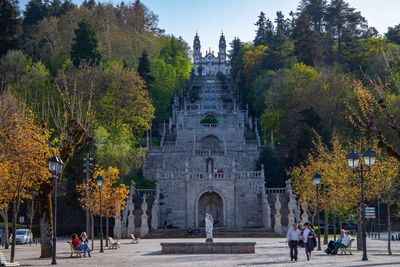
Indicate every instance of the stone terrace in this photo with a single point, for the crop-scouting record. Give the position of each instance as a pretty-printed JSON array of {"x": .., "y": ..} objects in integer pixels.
[{"x": 269, "y": 252}]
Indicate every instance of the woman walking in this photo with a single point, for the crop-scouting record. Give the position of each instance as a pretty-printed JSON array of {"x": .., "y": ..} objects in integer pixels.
[{"x": 308, "y": 239}]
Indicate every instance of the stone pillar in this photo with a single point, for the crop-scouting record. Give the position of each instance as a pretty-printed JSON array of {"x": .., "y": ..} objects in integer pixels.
[
  {"x": 144, "y": 229},
  {"x": 291, "y": 206},
  {"x": 154, "y": 215},
  {"x": 170, "y": 124},
  {"x": 131, "y": 221},
  {"x": 251, "y": 123},
  {"x": 126, "y": 210},
  {"x": 278, "y": 221},
  {"x": 297, "y": 213},
  {"x": 304, "y": 216},
  {"x": 117, "y": 227},
  {"x": 266, "y": 213},
  {"x": 147, "y": 140}
]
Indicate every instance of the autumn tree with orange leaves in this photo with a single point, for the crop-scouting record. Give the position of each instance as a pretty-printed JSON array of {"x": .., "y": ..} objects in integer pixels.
[
  {"x": 341, "y": 185},
  {"x": 114, "y": 195},
  {"x": 24, "y": 151}
]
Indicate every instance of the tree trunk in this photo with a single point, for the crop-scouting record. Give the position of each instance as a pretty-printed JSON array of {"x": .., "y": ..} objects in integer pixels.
[
  {"x": 45, "y": 221},
  {"x": 15, "y": 208},
  {"x": 359, "y": 230},
  {"x": 326, "y": 229},
  {"x": 389, "y": 225},
  {"x": 334, "y": 227},
  {"x": 107, "y": 229}
]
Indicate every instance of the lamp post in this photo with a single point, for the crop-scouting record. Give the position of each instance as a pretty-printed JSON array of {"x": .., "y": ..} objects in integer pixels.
[
  {"x": 353, "y": 160},
  {"x": 55, "y": 165},
  {"x": 317, "y": 183},
  {"x": 99, "y": 182}
]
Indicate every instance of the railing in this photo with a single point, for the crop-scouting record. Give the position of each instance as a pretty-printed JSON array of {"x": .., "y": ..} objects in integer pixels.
[
  {"x": 275, "y": 190},
  {"x": 204, "y": 152},
  {"x": 207, "y": 175},
  {"x": 251, "y": 142},
  {"x": 248, "y": 174},
  {"x": 148, "y": 192},
  {"x": 209, "y": 125},
  {"x": 209, "y": 152}
]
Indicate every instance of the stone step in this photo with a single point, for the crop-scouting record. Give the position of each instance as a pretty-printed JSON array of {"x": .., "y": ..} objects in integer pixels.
[{"x": 218, "y": 233}]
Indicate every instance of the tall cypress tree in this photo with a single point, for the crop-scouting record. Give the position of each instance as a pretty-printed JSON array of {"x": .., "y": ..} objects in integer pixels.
[
  {"x": 260, "y": 32},
  {"x": 307, "y": 42},
  {"x": 144, "y": 68},
  {"x": 85, "y": 47},
  {"x": 9, "y": 25},
  {"x": 35, "y": 11}
]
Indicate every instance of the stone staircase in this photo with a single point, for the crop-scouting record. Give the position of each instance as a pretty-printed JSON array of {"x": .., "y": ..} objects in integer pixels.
[{"x": 220, "y": 232}]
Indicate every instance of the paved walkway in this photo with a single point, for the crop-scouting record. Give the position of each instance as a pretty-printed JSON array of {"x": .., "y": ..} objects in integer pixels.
[{"x": 269, "y": 252}]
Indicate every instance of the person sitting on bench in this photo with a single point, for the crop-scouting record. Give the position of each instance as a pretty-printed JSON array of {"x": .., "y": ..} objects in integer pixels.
[
  {"x": 79, "y": 245},
  {"x": 346, "y": 239},
  {"x": 332, "y": 243}
]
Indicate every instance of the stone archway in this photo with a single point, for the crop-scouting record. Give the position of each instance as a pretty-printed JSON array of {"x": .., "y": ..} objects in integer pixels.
[{"x": 211, "y": 202}]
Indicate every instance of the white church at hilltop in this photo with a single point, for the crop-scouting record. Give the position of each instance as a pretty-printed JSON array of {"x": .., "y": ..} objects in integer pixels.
[{"x": 210, "y": 64}]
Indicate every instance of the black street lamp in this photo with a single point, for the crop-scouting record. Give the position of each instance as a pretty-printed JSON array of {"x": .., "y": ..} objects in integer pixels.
[
  {"x": 317, "y": 183},
  {"x": 99, "y": 182},
  {"x": 353, "y": 160},
  {"x": 55, "y": 168}
]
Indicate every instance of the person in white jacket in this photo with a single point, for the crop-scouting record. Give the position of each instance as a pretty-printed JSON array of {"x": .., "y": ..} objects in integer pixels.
[{"x": 307, "y": 237}]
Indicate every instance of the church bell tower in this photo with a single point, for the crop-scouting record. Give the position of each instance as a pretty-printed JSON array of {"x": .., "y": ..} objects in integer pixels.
[
  {"x": 196, "y": 48},
  {"x": 222, "y": 48}
]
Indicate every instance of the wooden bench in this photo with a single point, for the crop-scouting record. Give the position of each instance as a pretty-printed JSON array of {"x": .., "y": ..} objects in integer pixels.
[
  {"x": 112, "y": 243},
  {"x": 3, "y": 262},
  {"x": 345, "y": 250},
  {"x": 135, "y": 240},
  {"x": 74, "y": 251}
]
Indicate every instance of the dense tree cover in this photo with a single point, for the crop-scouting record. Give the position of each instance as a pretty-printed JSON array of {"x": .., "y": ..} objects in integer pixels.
[
  {"x": 9, "y": 25},
  {"x": 298, "y": 74},
  {"x": 82, "y": 71}
]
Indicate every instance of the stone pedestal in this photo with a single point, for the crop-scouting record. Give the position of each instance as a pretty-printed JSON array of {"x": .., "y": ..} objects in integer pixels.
[
  {"x": 131, "y": 221},
  {"x": 291, "y": 207},
  {"x": 144, "y": 229},
  {"x": 154, "y": 215},
  {"x": 117, "y": 227},
  {"x": 278, "y": 217}
]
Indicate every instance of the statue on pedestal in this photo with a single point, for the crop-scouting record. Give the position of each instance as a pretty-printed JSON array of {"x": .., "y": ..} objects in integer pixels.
[
  {"x": 209, "y": 228},
  {"x": 144, "y": 229},
  {"x": 278, "y": 217},
  {"x": 304, "y": 216}
]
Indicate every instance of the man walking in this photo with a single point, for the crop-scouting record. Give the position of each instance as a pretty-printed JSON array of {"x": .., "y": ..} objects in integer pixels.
[{"x": 293, "y": 237}]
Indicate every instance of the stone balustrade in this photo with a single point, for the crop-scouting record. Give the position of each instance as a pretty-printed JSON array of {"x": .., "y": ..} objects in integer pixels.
[
  {"x": 275, "y": 190},
  {"x": 252, "y": 142},
  {"x": 248, "y": 174},
  {"x": 147, "y": 192},
  {"x": 212, "y": 175},
  {"x": 201, "y": 152},
  {"x": 209, "y": 152},
  {"x": 209, "y": 125}
]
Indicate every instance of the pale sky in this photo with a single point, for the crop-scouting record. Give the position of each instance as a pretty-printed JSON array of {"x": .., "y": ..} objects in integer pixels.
[{"x": 237, "y": 17}]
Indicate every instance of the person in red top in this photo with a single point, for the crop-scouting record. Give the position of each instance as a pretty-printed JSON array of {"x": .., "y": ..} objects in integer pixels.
[{"x": 78, "y": 244}]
